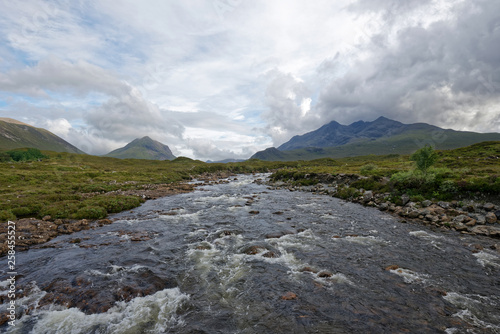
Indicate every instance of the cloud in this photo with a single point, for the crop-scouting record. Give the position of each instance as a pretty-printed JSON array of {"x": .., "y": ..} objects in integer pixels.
[{"x": 446, "y": 74}]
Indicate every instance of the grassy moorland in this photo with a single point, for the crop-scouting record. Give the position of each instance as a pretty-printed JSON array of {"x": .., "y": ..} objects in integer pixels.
[
  {"x": 74, "y": 186},
  {"x": 471, "y": 172}
]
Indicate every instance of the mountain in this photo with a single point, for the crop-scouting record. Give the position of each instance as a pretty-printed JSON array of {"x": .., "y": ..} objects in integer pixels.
[
  {"x": 143, "y": 148},
  {"x": 382, "y": 136},
  {"x": 15, "y": 134}
]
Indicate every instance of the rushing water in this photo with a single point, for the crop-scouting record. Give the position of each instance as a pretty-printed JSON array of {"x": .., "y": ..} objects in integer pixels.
[{"x": 240, "y": 258}]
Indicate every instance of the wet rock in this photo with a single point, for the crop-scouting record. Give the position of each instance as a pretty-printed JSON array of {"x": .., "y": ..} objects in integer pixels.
[
  {"x": 368, "y": 196},
  {"x": 392, "y": 267},
  {"x": 278, "y": 213},
  {"x": 254, "y": 212},
  {"x": 491, "y": 218},
  {"x": 325, "y": 274},
  {"x": 276, "y": 235},
  {"x": 497, "y": 213},
  {"x": 270, "y": 254},
  {"x": 460, "y": 219},
  {"x": 253, "y": 249},
  {"x": 308, "y": 269},
  {"x": 289, "y": 296}
]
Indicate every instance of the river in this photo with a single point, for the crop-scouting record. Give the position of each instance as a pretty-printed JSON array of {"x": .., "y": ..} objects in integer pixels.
[{"x": 241, "y": 258}]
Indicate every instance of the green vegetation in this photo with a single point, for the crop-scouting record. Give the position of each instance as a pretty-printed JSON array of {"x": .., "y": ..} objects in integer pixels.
[
  {"x": 24, "y": 155},
  {"x": 74, "y": 186},
  {"x": 18, "y": 135},
  {"x": 442, "y": 175},
  {"x": 424, "y": 158}
]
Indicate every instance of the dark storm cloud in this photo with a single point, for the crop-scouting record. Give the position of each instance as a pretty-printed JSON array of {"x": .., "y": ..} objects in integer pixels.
[{"x": 446, "y": 73}]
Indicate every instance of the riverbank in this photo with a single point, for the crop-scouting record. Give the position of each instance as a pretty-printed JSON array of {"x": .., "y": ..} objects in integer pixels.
[
  {"x": 33, "y": 232},
  {"x": 464, "y": 216}
]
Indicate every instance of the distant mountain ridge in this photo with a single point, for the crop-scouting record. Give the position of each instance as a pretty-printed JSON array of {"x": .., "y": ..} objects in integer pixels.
[
  {"x": 143, "y": 148},
  {"x": 381, "y": 136},
  {"x": 15, "y": 134}
]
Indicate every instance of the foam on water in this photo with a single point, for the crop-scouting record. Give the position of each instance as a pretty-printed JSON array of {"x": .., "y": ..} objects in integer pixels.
[
  {"x": 487, "y": 259},
  {"x": 476, "y": 310},
  {"x": 151, "y": 314},
  {"x": 410, "y": 276},
  {"x": 424, "y": 235}
]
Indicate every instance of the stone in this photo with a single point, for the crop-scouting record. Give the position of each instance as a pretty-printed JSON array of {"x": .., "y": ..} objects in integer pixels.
[
  {"x": 405, "y": 199},
  {"x": 486, "y": 230},
  {"x": 460, "y": 227},
  {"x": 392, "y": 267},
  {"x": 309, "y": 269},
  {"x": 491, "y": 218},
  {"x": 414, "y": 214},
  {"x": 46, "y": 218},
  {"x": 368, "y": 196},
  {"x": 444, "y": 205},
  {"x": 383, "y": 207},
  {"x": 289, "y": 296},
  {"x": 325, "y": 274},
  {"x": 471, "y": 223},
  {"x": 460, "y": 219},
  {"x": 426, "y": 203},
  {"x": 489, "y": 206},
  {"x": 497, "y": 213}
]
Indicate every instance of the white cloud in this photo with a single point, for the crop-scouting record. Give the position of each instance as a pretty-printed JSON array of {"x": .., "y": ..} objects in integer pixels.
[{"x": 240, "y": 75}]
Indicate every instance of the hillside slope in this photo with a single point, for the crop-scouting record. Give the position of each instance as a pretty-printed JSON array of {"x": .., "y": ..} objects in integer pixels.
[{"x": 15, "y": 134}]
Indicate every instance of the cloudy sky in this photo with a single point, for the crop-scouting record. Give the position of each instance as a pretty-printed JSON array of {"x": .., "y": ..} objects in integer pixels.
[{"x": 217, "y": 79}]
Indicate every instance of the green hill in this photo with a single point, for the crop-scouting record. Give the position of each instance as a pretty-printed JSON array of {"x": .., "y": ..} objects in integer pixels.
[
  {"x": 143, "y": 148},
  {"x": 15, "y": 134},
  {"x": 380, "y": 137}
]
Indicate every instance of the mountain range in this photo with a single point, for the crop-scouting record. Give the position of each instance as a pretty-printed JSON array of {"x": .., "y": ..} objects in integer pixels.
[
  {"x": 381, "y": 136},
  {"x": 15, "y": 134},
  {"x": 143, "y": 148}
]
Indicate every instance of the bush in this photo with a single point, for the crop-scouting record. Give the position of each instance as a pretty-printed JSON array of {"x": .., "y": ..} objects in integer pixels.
[
  {"x": 368, "y": 169},
  {"x": 424, "y": 158},
  {"x": 347, "y": 193},
  {"x": 91, "y": 212},
  {"x": 26, "y": 155},
  {"x": 6, "y": 215}
]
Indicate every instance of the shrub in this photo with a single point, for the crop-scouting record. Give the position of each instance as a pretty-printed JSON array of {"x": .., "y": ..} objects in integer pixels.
[
  {"x": 26, "y": 155},
  {"x": 424, "y": 158},
  {"x": 368, "y": 169},
  {"x": 448, "y": 187},
  {"x": 6, "y": 215},
  {"x": 347, "y": 193},
  {"x": 91, "y": 212}
]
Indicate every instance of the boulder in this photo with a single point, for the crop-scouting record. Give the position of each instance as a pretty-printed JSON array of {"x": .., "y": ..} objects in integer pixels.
[
  {"x": 405, "y": 199},
  {"x": 486, "y": 230},
  {"x": 489, "y": 206},
  {"x": 497, "y": 213},
  {"x": 368, "y": 196},
  {"x": 491, "y": 218},
  {"x": 426, "y": 203}
]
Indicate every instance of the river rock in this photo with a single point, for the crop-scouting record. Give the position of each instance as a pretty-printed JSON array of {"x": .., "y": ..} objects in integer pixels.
[
  {"x": 368, "y": 196},
  {"x": 491, "y": 218},
  {"x": 444, "y": 205},
  {"x": 486, "y": 230},
  {"x": 325, "y": 274},
  {"x": 405, "y": 199},
  {"x": 426, "y": 203},
  {"x": 289, "y": 296},
  {"x": 383, "y": 207},
  {"x": 489, "y": 206},
  {"x": 497, "y": 213}
]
